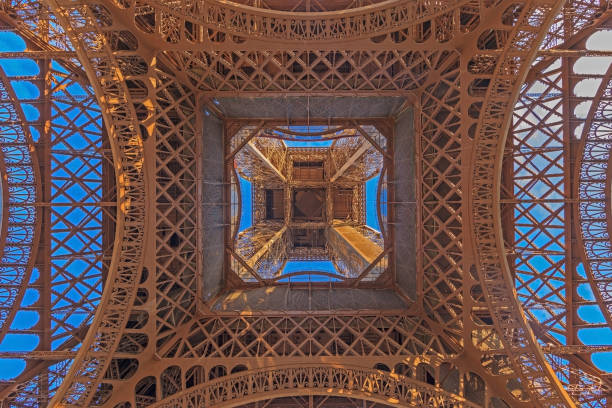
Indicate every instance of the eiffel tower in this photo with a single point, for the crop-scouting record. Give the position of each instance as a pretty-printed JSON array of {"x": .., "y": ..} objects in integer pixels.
[{"x": 305, "y": 203}]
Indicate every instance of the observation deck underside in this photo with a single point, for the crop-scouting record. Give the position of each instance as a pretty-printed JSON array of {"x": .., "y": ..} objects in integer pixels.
[{"x": 314, "y": 182}]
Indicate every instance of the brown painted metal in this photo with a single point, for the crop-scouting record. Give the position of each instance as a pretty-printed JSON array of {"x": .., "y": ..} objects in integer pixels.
[{"x": 472, "y": 337}]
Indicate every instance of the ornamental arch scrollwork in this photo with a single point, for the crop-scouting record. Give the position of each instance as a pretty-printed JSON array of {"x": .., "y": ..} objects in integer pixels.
[{"x": 367, "y": 384}]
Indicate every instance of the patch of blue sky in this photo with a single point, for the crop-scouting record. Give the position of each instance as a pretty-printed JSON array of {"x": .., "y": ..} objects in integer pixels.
[
  {"x": 11, "y": 42},
  {"x": 76, "y": 89},
  {"x": 25, "y": 319},
  {"x": 11, "y": 368},
  {"x": 246, "y": 215},
  {"x": 58, "y": 67},
  {"x": 25, "y": 90},
  {"x": 34, "y": 276},
  {"x": 383, "y": 200},
  {"x": 603, "y": 361},
  {"x": 371, "y": 189},
  {"x": 300, "y": 143},
  {"x": 560, "y": 338},
  {"x": 19, "y": 342},
  {"x": 309, "y": 266},
  {"x": 34, "y": 133},
  {"x": 586, "y": 292},
  {"x": 591, "y": 314},
  {"x": 595, "y": 336},
  {"x": 19, "y": 67},
  {"x": 75, "y": 319},
  {"x": 60, "y": 338},
  {"x": 30, "y": 297},
  {"x": 580, "y": 270},
  {"x": 30, "y": 112}
]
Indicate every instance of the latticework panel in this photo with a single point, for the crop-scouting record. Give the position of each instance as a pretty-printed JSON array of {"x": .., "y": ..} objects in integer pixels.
[
  {"x": 313, "y": 71},
  {"x": 303, "y": 336},
  {"x": 441, "y": 200},
  {"x": 175, "y": 268},
  {"x": 76, "y": 212},
  {"x": 542, "y": 201}
]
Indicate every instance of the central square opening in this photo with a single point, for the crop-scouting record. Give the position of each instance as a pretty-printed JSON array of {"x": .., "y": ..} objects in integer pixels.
[{"x": 306, "y": 205}]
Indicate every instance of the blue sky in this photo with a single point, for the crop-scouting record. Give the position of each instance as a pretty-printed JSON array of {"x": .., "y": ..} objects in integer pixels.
[
  {"x": 246, "y": 216},
  {"x": 311, "y": 266},
  {"x": 371, "y": 187},
  {"x": 321, "y": 143}
]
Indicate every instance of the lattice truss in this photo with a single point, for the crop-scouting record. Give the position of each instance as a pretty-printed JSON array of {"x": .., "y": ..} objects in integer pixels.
[
  {"x": 509, "y": 228},
  {"x": 56, "y": 207}
]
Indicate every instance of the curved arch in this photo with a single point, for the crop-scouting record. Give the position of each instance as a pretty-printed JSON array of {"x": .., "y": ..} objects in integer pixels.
[
  {"x": 336, "y": 5},
  {"x": 302, "y": 273},
  {"x": 516, "y": 337},
  {"x": 362, "y": 383},
  {"x": 108, "y": 81},
  {"x": 21, "y": 222},
  {"x": 592, "y": 185},
  {"x": 70, "y": 129},
  {"x": 350, "y": 24},
  {"x": 542, "y": 205}
]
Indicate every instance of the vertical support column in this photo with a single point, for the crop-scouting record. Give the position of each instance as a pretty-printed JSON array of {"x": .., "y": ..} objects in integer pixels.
[
  {"x": 403, "y": 202},
  {"x": 343, "y": 248},
  {"x": 570, "y": 146},
  {"x": 109, "y": 212},
  {"x": 507, "y": 194},
  {"x": 329, "y": 198},
  {"x": 43, "y": 151},
  {"x": 215, "y": 197},
  {"x": 390, "y": 230},
  {"x": 288, "y": 209}
]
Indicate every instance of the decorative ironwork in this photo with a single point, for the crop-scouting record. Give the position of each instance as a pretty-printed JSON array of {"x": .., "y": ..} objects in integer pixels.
[{"x": 509, "y": 210}]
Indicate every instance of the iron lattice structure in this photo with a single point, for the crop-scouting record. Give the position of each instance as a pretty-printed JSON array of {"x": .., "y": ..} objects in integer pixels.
[
  {"x": 101, "y": 191},
  {"x": 280, "y": 232}
]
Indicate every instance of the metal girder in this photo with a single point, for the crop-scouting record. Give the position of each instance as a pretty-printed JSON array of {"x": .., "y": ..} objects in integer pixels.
[
  {"x": 351, "y": 160},
  {"x": 262, "y": 251},
  {"x": 266, "y": 161}
]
